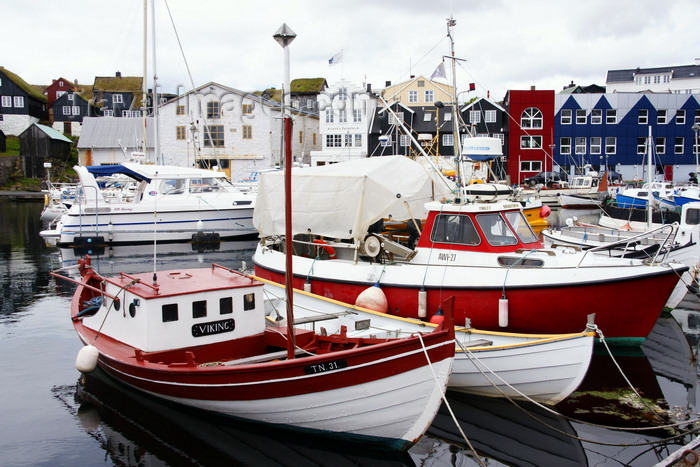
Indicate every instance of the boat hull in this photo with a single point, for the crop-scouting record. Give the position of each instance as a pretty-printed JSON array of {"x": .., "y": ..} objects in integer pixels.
[
  {"x": 539, "y": 301},
  {"x": 167, "y": 225},
  {"x": 543, "y": 368}
]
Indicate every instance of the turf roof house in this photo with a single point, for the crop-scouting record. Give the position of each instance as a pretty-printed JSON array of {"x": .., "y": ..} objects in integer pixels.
[
  {"x": 68, "y": 112},
  {"x": 116, "y": 96},
  {"x": 21, "y": 104}
]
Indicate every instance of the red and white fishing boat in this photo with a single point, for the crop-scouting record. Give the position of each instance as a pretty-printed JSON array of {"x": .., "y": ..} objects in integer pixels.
[
  {"x": 484, "y": 253},
  {"x": 198, "y": 337}
]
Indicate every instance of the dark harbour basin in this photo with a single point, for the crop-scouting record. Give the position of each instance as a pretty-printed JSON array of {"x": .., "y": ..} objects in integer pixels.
[{"x": 52, "y": 415}]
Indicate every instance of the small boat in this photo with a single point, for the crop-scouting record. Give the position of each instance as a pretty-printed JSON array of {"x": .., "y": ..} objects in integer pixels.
[
  {"x": 198, "y": 337},
  {"x": 585, "y": 192},
  {"x": 543, "y": 368},
  {"x": 639, "y": 197},
  {"x": 161, "y": 203}
]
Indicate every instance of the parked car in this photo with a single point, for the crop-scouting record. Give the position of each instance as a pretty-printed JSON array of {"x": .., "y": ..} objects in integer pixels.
[{"x": 552, "y": 178}]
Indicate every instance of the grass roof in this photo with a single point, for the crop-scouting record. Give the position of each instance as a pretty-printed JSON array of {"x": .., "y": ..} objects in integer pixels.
[{"x": 28, "y": 88}]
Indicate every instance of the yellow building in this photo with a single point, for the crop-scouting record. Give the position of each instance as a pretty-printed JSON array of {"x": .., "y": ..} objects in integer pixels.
[{"x": 418, "y": 91}]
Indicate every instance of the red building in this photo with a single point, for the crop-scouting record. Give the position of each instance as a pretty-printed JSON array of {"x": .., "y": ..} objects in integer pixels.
[
  {"x": 55, "y": 90},
  {"x": 530, "y": 133}
]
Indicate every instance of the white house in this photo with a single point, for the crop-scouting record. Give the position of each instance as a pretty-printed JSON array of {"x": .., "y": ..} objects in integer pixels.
[
  {"x": 345, "y": 116},
  {"x": 237, "y": 131},
  {"x": 683, "y": 79}
]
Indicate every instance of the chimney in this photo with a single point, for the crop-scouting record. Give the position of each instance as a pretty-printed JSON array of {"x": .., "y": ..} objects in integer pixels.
[
  {"x": 388, "y": 83},
  {"x": 118, "y": 74},
  {"x": 532, "y": 88},
  {"x": 369, "y": 88}
]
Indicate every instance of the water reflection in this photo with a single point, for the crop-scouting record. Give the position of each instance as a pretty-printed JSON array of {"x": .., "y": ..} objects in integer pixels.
[{"x": 134, "y": 429}]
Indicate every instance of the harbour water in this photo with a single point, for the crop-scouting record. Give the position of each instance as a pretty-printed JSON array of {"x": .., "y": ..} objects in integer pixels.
[{"x": 53, "y": 416}]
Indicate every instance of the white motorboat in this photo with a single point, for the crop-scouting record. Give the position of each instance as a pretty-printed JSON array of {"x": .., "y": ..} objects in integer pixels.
[{"x": 167, "y": 204}]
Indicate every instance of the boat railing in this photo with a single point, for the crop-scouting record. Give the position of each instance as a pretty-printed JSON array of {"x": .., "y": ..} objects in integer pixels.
[{"x": 667, "y": 232}]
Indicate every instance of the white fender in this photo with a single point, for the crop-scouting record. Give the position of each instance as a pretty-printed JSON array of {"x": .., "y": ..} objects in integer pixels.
[
  {"x": 373, "y": 298},
  {"x": 87, "y": 359}
]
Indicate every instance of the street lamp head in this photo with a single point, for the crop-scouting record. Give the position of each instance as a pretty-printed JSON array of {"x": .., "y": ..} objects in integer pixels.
[
  {"x": 696, "y": 127},
  {"x": 284, "y": 35}
]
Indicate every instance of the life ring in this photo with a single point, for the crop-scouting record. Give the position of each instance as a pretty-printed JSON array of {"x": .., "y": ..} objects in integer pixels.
[
  {"x": 690, "y": 457},
  {"x": 326, "y": 247}
]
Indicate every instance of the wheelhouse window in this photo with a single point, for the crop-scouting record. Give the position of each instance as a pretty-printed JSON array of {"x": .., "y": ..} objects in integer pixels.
[
  {"x": 496, "y": 230},
  {"x": 248, "y": 301},
  {"x": 169, "y": 312},
  {"x": 225, "y": 306},
  {"x": 521, "y": 226},
  {"x": 456, "y": 229},
  {"x": 199, "y": 309},
  {"x": 531, "y": 118}
]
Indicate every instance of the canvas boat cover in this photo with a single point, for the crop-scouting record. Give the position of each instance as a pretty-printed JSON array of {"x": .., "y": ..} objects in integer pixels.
[{"x": 342, "y": 200}]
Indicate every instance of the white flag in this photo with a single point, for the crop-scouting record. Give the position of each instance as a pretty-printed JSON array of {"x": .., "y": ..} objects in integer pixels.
[
  {"x": 336, "y": 58},
  {"x": 439, "y": 72}
]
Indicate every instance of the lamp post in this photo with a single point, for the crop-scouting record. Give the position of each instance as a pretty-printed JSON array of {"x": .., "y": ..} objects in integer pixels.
[
  {"x": 284, "y": 36},
  {"x": 695, "y": 128}
]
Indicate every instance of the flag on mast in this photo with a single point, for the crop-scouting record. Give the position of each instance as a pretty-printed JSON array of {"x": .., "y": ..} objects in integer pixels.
[
  {"x": 336, "y": 58},
  {"x": 439, "y": 72}
]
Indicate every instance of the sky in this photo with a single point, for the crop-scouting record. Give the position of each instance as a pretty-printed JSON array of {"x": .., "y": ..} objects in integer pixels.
[{"x": 501, "y": 44}]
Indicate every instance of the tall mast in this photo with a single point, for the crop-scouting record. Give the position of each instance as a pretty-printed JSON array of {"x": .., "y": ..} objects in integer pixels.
[
  {"x": 144, "y": 86},
  {"x": 157, "y": 156},
  {"x": 451, "y": 22}
]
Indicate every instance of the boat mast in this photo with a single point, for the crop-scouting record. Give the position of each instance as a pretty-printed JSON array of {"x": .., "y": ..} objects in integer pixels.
[
  {"x": 650, "y": 195},
  {"x": 157, "y": 156},
  {"x": 144, "y": 85}
]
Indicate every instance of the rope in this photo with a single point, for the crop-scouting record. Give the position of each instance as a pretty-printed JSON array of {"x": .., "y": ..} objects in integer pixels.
[{"x": 447, "y": 404}]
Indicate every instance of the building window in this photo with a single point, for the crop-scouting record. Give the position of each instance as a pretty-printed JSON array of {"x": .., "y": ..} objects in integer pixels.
[
  {"x": 247, "y": 131},
  {"x": 333, "y": 141},
  {"x": 697, "y": 116},
  {"x": 348, "y": 140},
  {"x": 71, "y": 96},
  {"x": 427, "y": 117},
  {"x": 180, "y": 133},
  {"x": 580, "y": 116},
  {"x": 565, "y": 117},
  {"x": 117, "y": 99},
  {"x": 392, "y": 119},
  {"x": 611, "y": 116},
  {"x": 448, "y": 139},
  {"x": 474, "y": 116},
  {"x": 429, "y": 96},
  {"x": 343, "y": 116},
  {"x": 19, "y": 101},
  {"x": 531, "y": 166},
  {"x": 108, "y": 112},
  {"x": 596, "y": 116},
  {"x": 329, "y": 115},
  {"x": 678, "y": 147},
  {"x": 356, "y": 115},
  {"x": 580, "y": 145},
  {"x": 610, "y": 145},
  {"x": 421, "y": 83},
  {"x": 343, "y": 94},
  {"x": 67, "y": 110},
  {"x": 412, "y": 97},
  {"x": 565, "y": 145},
  {"x": 660, "y": 145},
  {"x": 213, "y": 136},
  {"x": 643, "y": 116},
  {"x": 358, "y": 140},
  {"x": 641, "y": 145},
  {"x": 680, "y": 117},
  {"x": 661, "y": 117},
  {"x": 213, "y": 110},
  {"x": 530, "y": 142},
  {"x": 247, "y": 108},
  {"x": 596, "y": 142},
  {"x": 404, "y": 140},
  {"x": 7, "y": 101},
  {"x": 447, "y": 117},
  {"x": 490, "y": 116},
  {"x": 531, "y": 118},
  {"x": 76, "y": 110},
  {"x": 180, "y": 110}
]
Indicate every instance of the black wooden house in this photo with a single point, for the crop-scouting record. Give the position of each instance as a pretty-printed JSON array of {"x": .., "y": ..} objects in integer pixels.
[{"x": 40, "y": 144}]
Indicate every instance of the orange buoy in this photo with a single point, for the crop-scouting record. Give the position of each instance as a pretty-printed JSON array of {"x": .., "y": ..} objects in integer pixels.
[{"x": 438, "y": 317}]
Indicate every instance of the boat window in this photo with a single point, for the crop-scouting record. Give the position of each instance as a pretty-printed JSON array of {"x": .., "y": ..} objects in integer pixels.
[
  {"x": 496, "y": 230},
  {"x": 521, "y": 226},
  {"x": 456, "y": 229},
  {"x": 172, "y": 187},
  {"x": 519, "y": 262},
  {"x": 199, "y": 309},
  {"x": 692, "y": 217},
  {"x": 170, "y": 312},
  {"x": 200, "y": 185},
  {"x": 226, "y": 306},
  {"x": 249, "y": 301}
]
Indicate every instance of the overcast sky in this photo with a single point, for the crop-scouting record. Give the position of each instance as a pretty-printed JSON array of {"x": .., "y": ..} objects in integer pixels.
[{"x": 507, "y": 44}]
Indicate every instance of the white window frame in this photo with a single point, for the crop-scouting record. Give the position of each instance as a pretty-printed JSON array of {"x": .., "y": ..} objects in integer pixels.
[
  {"x": 429, "y": 96},
  {"x": 580, "y": 116},
  {"x": 7, "y": 101},
  {"x": 597, "y": 117},
  {"x": 531, "y": 118},
  {"x": 18, "y": 101},
  {"x": 678, "y": 145},
  {"x": 611, "y": 116},
  {"x": 565, "y": 145},
  {"x": 596, "y": 145},
  {"x": 117, "y": 99},
  {"x": 427, "y": 117},
  {"x": 412, "y": 96},
  {"x": 530, "y": 142},
  {"x": 474, "y": 116},
  {"x": 680, "y": 117},
  {"x": 67, "y": 110},
  {"x": 490, "y": 116},
  {"x": 357, "y": 115},
  {"x": 661, "y": 116},
  {"x": 565, "y": 117},
  {"x": 660, "y": 145},
  {"x": 448, "y": 140},
  {"x": 580, "y": 144},
  {"x": 329, "y": 115},
  {"x": 643, "y": 116},
  {"x": 610, "y": 145}
]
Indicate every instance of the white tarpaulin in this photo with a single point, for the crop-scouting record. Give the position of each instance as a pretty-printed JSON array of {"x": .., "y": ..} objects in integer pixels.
[{"x": 343, "y": 200}]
